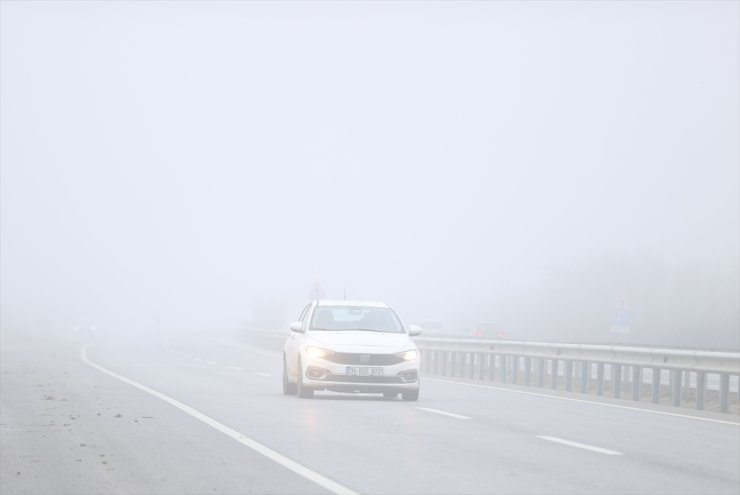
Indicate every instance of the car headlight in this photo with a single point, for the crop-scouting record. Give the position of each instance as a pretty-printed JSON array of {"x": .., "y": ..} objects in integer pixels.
[
  {"x": 408, "y": 355},
  {"x": 318, "y": 352}
]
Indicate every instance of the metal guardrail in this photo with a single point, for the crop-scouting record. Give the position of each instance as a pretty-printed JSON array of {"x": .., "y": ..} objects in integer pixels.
[{"x": 590, "y": 369}]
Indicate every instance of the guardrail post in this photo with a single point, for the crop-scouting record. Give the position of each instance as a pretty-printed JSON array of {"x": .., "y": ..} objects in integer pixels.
[
  {"x": 600, "y": 379},
  {"x": 453, "y": 364},
  {"x": 541, "y": 372},
  {"x": 676, "y": 387},
  {"x": 482, "y": 367},
  {"x": 585, "y": 369},
  {"x": 527, "y": 370},
  {"x": 514, "y": 368},
  {"x": 617, "y": 380},
  {"x": 636, "y": 383},
  {"x": 569, "y": 375},
  {"x": 724, "y": 390},
  {"x": 492, "y": 368},
  {"x": 504, "y": 364},
  {"x": 554, "y": 373},
  {"x": 701, "y": 383},
  {"x": 687, "y": 383},
  {"x": 657, "y": 372}
]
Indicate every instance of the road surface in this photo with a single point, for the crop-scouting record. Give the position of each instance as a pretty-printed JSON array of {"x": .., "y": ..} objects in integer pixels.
[{"x": 205, "y": 414}]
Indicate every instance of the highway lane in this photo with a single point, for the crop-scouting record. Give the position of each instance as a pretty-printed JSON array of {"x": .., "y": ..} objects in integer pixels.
[
  {"x": 374, "y": 446},
  {"x": 66, "y": 428},
  {"x": 458, "y": 438}
]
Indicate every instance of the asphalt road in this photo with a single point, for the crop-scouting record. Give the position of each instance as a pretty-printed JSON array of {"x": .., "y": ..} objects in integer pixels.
[{"x": 203, "y": 414}]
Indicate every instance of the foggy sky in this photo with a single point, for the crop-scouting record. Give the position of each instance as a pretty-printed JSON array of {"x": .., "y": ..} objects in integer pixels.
[{"x": 183, "y": 163}]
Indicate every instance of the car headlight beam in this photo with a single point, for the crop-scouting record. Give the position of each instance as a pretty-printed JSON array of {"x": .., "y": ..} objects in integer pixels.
[
  {"x": 408, "y": 355},
  {"x": 318, "y": 352}
]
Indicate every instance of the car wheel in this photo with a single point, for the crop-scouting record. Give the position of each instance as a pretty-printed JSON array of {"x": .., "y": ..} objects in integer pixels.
[
  {"x": 288, "y": 388},
  {"x": 411, "y": 395},
  {"x": 303, "y": 392},
  {"x": 390, "y": 395}
]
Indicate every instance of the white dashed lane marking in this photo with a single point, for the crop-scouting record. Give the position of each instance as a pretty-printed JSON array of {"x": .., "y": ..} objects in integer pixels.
[
  {"x": 443, "y": 413},
  {"x": 577, "y": 445}
]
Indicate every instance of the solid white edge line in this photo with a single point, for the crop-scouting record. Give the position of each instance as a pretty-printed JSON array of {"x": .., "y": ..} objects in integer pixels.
[
  {"x": 214, "y": 363},
  {"x": 444, "y": 413},
  {"x": 579, "y": 445},
  {"x": 618, "y": 406},
  {"x": 299, "y": 469}
]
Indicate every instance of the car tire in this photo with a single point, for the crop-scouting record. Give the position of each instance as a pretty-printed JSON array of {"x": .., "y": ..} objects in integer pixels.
[
  {"x": 390, "y": 395},
  {"x": 303, "y": 392},
  {"x": 411, "y": 395},
  {"x": 288, "y": 388}
]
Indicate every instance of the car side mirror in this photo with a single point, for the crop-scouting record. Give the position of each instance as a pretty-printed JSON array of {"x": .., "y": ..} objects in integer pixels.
[
  {"x": 296, "y": 326},
  {"x": 414, "y": 330}
]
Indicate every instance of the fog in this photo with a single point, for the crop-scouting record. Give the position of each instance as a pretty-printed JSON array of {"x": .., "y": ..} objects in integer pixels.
[{"x": 188, "y": 166}]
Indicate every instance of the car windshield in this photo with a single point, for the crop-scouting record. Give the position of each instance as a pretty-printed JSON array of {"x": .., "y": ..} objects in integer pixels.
[{"x": 354, "y": 318}]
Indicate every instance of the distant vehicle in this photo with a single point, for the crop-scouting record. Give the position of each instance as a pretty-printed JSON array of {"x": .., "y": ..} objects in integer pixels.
[
  {"x": 85, "y": 329},
  {"x": 351, "y": 346},
  {"x": 489, "y": 331}
]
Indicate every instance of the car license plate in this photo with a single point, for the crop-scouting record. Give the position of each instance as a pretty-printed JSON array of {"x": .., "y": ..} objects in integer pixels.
[{"x": 364, "y": 371}]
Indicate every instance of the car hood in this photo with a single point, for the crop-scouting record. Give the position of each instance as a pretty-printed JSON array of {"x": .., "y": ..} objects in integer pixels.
[{"x": 359, "y": 341}]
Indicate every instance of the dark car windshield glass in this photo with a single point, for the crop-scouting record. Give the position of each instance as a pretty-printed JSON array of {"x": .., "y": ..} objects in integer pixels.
[{"x": 348, "y": 318}]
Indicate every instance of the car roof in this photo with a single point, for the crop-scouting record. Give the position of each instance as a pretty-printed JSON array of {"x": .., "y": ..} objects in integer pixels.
[{"x": 366, "y": 304}]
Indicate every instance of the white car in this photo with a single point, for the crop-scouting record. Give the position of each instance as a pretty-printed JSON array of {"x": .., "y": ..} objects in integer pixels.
[{"x": 351, "y": 346}]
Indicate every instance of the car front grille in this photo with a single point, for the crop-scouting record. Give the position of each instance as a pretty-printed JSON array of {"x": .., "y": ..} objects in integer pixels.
[{"x": 364, "y": 359}]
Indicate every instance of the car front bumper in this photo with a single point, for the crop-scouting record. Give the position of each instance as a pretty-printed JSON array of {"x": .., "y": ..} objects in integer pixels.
[{"x": 321, "y": 374}]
